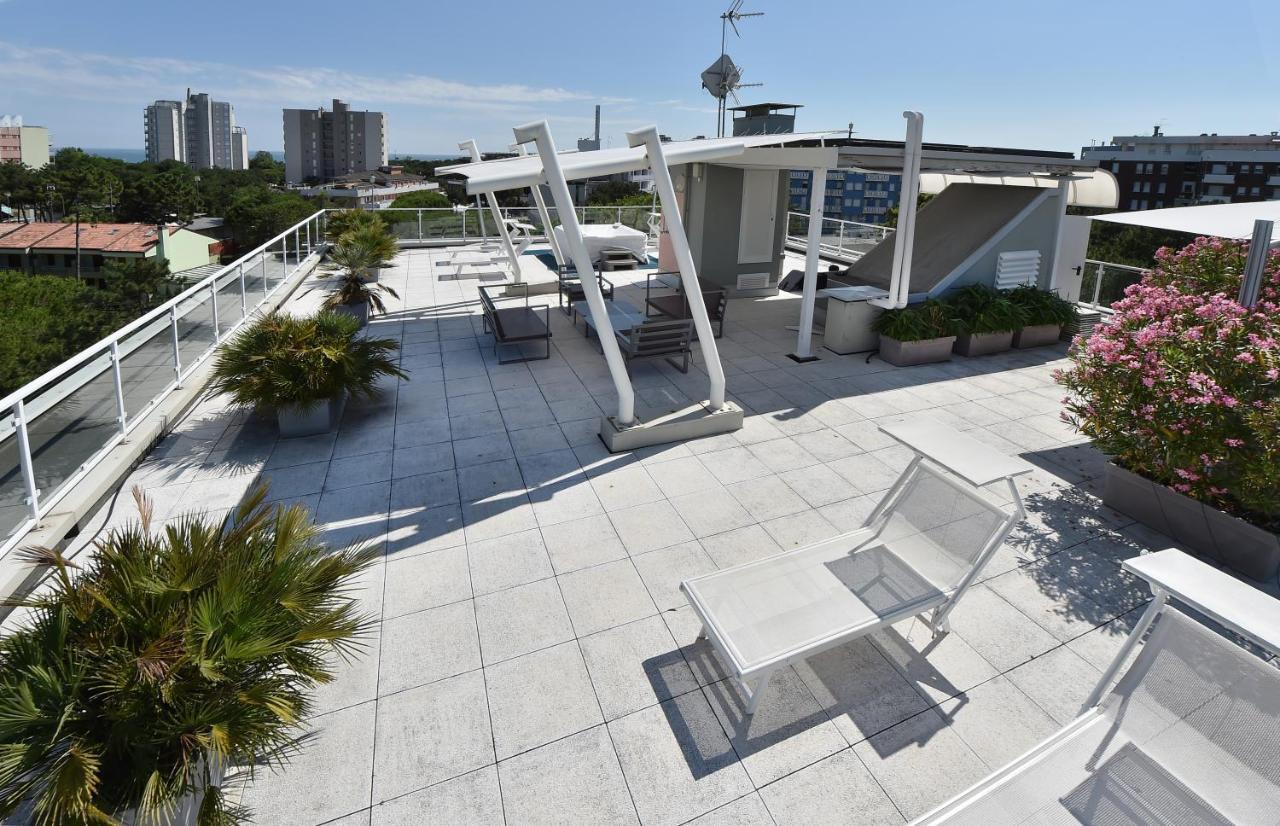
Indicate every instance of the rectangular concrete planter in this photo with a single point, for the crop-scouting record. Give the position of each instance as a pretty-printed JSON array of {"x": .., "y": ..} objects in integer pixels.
[
  {"x": 982, "y": 344},
  {"x": 908, "y": 353},
  {"x": 309, "y": 421},
  {"x": 357, "y": 311},
  {"x": 1246, "y": 548},
  {"x": 1037, "y": 335}
]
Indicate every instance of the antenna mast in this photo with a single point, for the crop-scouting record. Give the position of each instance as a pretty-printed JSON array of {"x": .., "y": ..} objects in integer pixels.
[{"x": 725, "y": 76}]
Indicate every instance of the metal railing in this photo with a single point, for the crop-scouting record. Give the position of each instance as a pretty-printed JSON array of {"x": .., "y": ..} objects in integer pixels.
[
  {"x": 1103, "y": 283},
  {"x": 449, "y": 225},
  {"x": 847, "y": 240},
  {"x": 57, "y": 428}
]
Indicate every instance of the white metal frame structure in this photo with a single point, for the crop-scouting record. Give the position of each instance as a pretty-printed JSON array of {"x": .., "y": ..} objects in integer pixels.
[
  {"x": 495, "y": 210},
  {"x": 541, "y": 204},
  {"x": 1199, "y": 738},
  {"x": 763, "y": 615}
]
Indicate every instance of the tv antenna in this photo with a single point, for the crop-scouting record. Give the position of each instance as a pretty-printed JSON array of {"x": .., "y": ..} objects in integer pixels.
[{"x": 724, "y": 77}]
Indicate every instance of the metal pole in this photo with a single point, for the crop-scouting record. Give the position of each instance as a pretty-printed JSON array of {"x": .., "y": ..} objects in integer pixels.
[
  {"x": 1256, "y": 263},
  {"x": 1097, "y": 284},
  {"x": 308, "y": 227},
  {"x": 244, "y": 299},
  {"x": 78, "y": 241},
  {"x": 177, "y": 357},
  {"x": 213, "y": 298},
  {"x": 24, "y": 457},
  {"x": 492, "y": 198},
  {"x": 419, "y": 225},
  {"x": 1160, "y": 596},
  {"x": 804, "y": 336},
  {"x": 540, "y": 202},
  {"x": 119, "y": 384},
  {"x": 540, "y": 134},
  {"x": 648, "y": 138}
]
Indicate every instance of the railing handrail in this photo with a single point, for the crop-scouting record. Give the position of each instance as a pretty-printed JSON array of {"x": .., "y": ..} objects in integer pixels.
[
  {"x": 1126, "y": 267},
  {"x": 95, "y": 349},
  {"x": 877, "y": 227}
]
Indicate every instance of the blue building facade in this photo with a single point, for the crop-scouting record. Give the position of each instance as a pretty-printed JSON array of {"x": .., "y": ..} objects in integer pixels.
[{"x": 849, "y": 195}]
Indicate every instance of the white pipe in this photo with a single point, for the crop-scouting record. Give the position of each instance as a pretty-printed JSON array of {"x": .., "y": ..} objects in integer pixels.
[
  {"x": 496, "y": 211},
  {"x": 809, "y": 297},
  {"x": 907, "y": 204},
  {"x": 539, "y": 133},
  {"x": 541, "y": 203},
  {"x": 648, "y": 138}
]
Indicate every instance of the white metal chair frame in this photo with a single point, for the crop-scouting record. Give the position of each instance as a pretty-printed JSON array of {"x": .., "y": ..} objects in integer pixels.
[
  {"x": 919, "y": 438},
  {"x": 1172, "y": 575}
]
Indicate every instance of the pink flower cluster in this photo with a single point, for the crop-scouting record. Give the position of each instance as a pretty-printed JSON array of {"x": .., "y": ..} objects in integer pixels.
[{"x": 1182, "y": 383}]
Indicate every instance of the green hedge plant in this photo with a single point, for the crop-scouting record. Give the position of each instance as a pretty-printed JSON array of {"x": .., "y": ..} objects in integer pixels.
[
  {"x": 1041, "y": 306},
  {"x": 288, "y": 361},
  {"x": 979, "y": 309},
  {"x": 917, "y": 322},
  {"x": 170, "y": 655}
]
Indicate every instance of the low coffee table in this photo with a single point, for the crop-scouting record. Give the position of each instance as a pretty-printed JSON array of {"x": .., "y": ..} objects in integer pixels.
[{"x": 622, "y": 316}]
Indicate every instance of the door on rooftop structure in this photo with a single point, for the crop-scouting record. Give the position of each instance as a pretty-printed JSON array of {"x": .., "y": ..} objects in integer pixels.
[
  {"x": 759, "y": 212},
  {"x": 1073, "y": 246}
]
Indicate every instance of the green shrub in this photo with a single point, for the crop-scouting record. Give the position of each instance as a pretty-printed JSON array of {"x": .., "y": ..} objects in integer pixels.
[
  {"x": 980, "y": 309},
  {"x": 343, "y": 221},
  {"x": 282, "y": 360},
  {"x": 168, "y": 653},
  {"x": 917, "y": 322},
  {"x": 1042, "y": 306}
]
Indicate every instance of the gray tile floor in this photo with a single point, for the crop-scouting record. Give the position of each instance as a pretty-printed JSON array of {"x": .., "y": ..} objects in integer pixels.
[{"x": 534, "y": 661}]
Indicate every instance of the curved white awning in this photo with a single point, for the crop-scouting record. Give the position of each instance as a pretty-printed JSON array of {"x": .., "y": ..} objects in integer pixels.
[
  {"x": 1216, "y": 220},
  {"x": 1095, "y": 188}
]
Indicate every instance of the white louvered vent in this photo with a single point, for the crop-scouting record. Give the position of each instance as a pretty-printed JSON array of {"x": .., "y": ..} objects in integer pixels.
[
  {"x": 753, "y": 281},
  {"x": 1013, "y": 269}
]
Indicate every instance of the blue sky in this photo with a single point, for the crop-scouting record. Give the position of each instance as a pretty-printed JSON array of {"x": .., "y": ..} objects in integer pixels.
[{"x": 1030, "y": 73}]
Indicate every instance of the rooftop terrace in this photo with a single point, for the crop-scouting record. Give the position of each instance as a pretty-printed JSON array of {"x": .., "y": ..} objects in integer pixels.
[{"x": 533, "y": 659}]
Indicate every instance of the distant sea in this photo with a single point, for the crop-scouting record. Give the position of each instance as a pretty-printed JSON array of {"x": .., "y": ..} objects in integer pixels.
[{"x": 140, "y": 155}]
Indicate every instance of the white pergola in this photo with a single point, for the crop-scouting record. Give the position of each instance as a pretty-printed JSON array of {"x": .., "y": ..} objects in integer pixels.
[{"x": 554, "y": 170}]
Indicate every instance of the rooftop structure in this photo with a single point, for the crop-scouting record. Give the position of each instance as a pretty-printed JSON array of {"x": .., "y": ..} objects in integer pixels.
[
  {"x": 49, "y": 248},
  {"x": 764, "y": 118}
]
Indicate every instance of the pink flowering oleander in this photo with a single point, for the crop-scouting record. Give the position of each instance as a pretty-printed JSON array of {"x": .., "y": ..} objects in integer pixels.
[{"x": 1182, "y": 383}]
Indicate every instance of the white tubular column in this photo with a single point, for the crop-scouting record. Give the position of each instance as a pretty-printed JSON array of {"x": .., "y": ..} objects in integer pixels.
[
  {"x": 648, "y": 138},
  {"x": 539, "y": 133},
  {"x": 496, "y": 211},
  {"x": 541, "y": 203},
  {"x": 907, "y": 207},
  {"x": 813, "y": 244},
  {"x": 1064, "y": 195}
]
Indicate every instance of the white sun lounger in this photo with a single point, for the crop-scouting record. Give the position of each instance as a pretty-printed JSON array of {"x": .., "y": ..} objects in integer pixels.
[
  {"x": 1190, "y": 734},
  {"x": 917, "y": 553}
]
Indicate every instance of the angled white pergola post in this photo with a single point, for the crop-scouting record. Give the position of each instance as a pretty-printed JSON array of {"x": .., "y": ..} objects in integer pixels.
[
  {"x": 539, "y": 133},
  {"x": 541, "y": 204},
  {"x": 813, "y": 244},
  {"x": 648, "y": 138},
  {"x": 470, "y": 147},
  {"x": 904, "y": 237}
]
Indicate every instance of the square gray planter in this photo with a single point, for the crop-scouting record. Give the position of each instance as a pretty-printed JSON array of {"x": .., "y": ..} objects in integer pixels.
[
  {"x": 1241, "y": 546},
  {"x": 357, "y": 311},
  {"x": 982, "y": 344},
  {"x": 319, "y": 418},
  {"x": 1037, "y": 335},
  {"x": 908, "y": 353}
]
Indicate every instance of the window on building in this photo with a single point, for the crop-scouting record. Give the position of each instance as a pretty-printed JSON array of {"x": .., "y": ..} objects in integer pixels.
[
  {"x": 1159, "y": 204},
  {"x": 1164, "y": 169},
  {"x": 1115, "y": 166},
  {"x": 1219, "y": 169},
  {"x": 1255, "y": 191},
  {"x": 1160, "y": 188},
  {"x": 1133, "y": 204},
  {"x": 1137, "y": 186}
]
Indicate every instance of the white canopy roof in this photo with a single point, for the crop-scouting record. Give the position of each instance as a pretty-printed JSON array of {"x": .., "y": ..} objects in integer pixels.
[
  {"x": 1217, "y": 220},
  {"x": 526, "y": 171},
  {"x": 1095, "y": 188}
]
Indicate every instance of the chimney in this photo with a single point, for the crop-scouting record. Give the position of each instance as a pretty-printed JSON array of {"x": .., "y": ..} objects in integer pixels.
[
  {"x": 162, "y": 241},
  {"x": 597, "y": 124}
]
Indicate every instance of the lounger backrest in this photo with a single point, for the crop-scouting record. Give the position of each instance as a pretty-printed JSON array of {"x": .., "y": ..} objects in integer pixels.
[
  {"x": 939, "y": 527},
  {"x": 1202, "y": 715}
]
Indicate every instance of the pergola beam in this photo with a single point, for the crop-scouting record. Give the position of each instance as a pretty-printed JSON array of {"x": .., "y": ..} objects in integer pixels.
[{"x": 470, "y": 147}]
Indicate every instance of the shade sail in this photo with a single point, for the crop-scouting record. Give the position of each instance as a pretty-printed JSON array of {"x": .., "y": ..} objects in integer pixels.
[
  {"x": 526, "y": 171},
  {"x": 1216, "y": 220},
  {"x": 1095, "y": 188}
]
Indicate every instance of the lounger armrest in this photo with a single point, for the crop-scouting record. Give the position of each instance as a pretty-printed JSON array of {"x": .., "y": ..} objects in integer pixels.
[
  {"x": 963, "y": 455},
  {"x": 1216, "y": 594}
]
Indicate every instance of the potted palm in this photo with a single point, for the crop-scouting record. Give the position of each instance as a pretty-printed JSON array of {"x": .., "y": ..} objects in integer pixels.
[
  {"x": 987, "y": 320},
  {"x": 167, "y": 658},
  {"x": 916, "y": 334},
  {"x": 356, "y": 294},
  {"x": 303, "y": 369},
  {"x": 1046, "y": 314},
  {"x": 340, "y": 222},
  {"x": 376, "y": 246}
]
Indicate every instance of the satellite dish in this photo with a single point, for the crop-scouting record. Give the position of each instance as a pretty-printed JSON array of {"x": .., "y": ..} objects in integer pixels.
[{"x": 722, "y": 77}]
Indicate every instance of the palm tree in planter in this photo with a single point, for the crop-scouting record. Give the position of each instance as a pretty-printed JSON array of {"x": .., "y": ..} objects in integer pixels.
[
  {"x": 916, "y": 334},
  {"x": 987, "y": 320},
  {"x": 1046, "y": 314},
  {"x": 356, "y": 294},
  {"x": 377, "y": 243},
  {"x": 167, "y": 658},
  {"x": 303, "y": 369}
]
